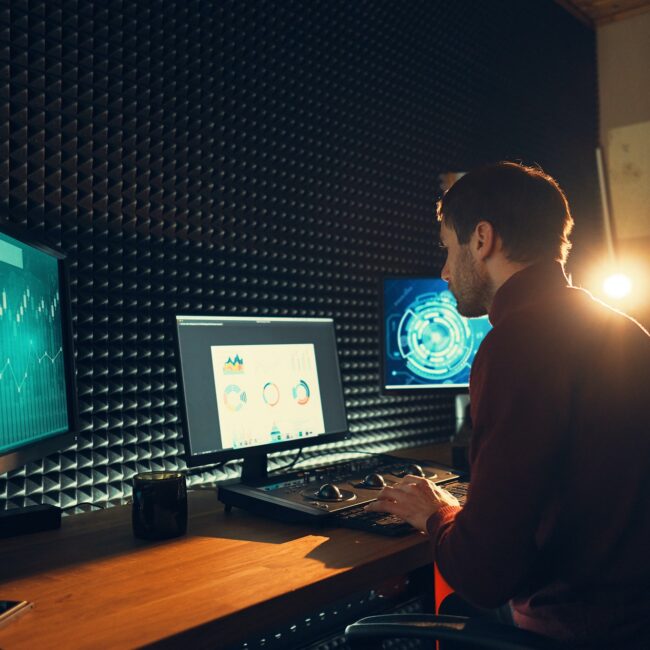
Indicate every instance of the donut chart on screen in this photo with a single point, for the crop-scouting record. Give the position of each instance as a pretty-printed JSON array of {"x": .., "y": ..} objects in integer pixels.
[
  {"x": 234, "y": 397},
  {"x": 271, "y": 393},
  {"x": 301, "y": 392}
]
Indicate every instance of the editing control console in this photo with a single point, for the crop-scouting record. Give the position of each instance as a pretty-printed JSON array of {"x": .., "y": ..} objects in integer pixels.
[{"x": 325, "y": 493}]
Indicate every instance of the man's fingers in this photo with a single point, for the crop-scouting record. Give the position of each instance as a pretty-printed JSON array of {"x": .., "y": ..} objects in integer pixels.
[
  {"x": 407, "y": 487},
  {"x": 411, "y": 478},
  {"x": 384, "y": 506},
  {"x": 388, "y": 492}
]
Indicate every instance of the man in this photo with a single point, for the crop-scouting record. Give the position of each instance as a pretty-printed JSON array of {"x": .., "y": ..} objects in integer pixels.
[{"x": 557, "y": 520}]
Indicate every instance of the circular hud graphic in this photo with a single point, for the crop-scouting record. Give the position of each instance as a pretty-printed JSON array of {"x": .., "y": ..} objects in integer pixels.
[{"x": 433, "y": 339}]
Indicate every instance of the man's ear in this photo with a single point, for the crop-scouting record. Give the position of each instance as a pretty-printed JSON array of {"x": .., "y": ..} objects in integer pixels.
[{"x": 484, "y": 240}]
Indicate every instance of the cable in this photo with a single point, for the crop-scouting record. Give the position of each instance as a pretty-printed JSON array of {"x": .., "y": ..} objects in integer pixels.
[
  {"x": 291, "y": 464},
  {"x": 84, "y": 503},
  {"x": 315, "y": 458}
]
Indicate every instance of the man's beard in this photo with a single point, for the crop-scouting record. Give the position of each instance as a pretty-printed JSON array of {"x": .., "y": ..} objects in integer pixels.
[{"x": 471, "y": 287}]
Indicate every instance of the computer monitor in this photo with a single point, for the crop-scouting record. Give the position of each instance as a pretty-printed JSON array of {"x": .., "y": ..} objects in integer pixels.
[
  {"x": 426, "y": 343},
  {"x": 251, "y": 385},
  {"x": 38, "y": 397}
]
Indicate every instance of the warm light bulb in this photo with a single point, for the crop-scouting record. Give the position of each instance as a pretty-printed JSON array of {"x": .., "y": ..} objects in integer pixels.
[{"x": 617, "y": 286}]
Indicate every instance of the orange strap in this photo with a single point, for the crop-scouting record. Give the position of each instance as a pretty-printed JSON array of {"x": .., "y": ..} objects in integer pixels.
[{"x": 440, "y": 588}]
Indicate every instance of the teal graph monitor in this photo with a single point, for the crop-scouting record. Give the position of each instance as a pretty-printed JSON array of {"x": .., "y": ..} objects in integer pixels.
[{"x": 38, "y": 413}]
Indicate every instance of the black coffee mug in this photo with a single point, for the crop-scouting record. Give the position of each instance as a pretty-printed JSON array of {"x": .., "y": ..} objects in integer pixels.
[{"x": 159, "y": 505}]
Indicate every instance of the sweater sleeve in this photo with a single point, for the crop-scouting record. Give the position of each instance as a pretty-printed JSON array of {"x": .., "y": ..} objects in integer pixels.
[
  {"x": 441, "y": 519},
  {"x": 487, "y": 550}
]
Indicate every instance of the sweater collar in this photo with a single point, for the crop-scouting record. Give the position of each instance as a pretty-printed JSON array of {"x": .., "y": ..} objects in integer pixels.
[{"x": 525, "y": 287}]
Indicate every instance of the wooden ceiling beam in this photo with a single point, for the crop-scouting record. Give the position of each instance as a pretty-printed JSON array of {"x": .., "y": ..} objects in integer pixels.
[
  {"x": 576, "y": 12},
  {"x": 600, "y": 12}
]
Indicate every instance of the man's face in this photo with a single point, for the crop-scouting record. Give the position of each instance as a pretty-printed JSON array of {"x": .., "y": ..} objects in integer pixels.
[{"x": 468, "y": 281}]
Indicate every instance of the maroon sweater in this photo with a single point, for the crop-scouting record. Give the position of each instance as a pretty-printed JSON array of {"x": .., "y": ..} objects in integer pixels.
[{"x": 557, "y": 519}]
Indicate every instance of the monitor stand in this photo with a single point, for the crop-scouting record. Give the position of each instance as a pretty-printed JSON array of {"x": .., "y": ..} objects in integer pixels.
[
  {"x": 254, "y": 468},
  {"x": 463, "y": 434}
]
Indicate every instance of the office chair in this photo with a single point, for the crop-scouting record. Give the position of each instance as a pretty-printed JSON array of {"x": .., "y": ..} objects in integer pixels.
[
  {"x": 464, "y": 633},
  {"x": 458, "y": 632}
]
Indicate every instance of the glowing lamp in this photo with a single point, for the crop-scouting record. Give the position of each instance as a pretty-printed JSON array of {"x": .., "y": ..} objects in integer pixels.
[{"x": 617, "y": 286}]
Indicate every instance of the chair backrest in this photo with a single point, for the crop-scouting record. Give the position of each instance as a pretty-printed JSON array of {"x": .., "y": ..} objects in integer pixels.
[{"x": 464, "y": 632}]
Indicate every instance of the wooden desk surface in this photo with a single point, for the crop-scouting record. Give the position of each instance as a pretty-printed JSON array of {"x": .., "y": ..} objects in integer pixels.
[{"x": 94, "y": 585}]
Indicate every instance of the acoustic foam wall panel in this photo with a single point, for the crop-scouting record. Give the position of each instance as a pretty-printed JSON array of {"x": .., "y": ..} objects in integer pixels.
[{"x": 244, "y": 158}]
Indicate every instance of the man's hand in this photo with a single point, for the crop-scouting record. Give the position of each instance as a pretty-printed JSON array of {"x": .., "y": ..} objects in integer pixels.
[{"x": 413, "y": 499}]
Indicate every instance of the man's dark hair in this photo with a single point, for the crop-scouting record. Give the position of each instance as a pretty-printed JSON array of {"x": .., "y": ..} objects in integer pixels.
[{"x": 525, "y": 206}]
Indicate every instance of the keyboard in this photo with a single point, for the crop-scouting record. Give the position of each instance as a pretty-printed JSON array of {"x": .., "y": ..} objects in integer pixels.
[
  {"x": 458, "y": 489},
  {"x": 383, "y": 523}
]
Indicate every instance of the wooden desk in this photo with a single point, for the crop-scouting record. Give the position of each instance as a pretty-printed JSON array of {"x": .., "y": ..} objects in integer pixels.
[{"x": 94, "y": 585}]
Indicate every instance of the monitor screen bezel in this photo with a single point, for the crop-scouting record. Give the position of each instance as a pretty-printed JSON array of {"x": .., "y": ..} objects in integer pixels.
[
  {"x": 37, "y": 449},
  {"x": 424, "y": 389},
  {"x": 214, "y": 457}
]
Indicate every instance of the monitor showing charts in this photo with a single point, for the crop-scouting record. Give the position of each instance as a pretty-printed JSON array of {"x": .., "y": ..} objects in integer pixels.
[
  {"x": 257, "y": 383},
  {"x": 426, "y": 342},
  {"x": 37, "y": 388}
]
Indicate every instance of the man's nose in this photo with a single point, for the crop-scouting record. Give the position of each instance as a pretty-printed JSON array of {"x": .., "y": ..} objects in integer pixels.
[{"x": 444, "y": 274}]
